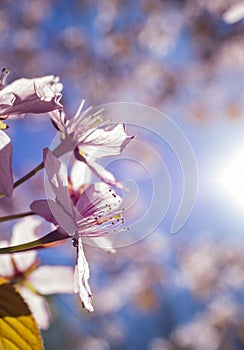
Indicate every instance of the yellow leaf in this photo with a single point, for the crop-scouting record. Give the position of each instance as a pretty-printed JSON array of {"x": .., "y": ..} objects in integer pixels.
[{"x": 18, "y": 329}]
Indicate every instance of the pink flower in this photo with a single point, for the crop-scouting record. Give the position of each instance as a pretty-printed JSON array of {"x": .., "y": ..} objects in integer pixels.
[
  {"x": 91, "y": 139},
  {"x": 94, "y": 214},
  {"x": 6, "y": 177},
  {"x": 33, "y": 280},
  {"x": 38, "y": 95}
]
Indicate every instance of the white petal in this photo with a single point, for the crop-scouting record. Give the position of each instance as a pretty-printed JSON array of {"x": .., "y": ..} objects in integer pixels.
[
  {"x": 53, "y": 279},
  {"x": 6, "y": 265},
  {"x": 80, "y": 174},
  {"x": 103, "y": 174},
  {"x": 54, "y": 213},
  {"x": 38, "y": 306},
  {"x": 25, "y": 231},
  {"x": 64, "y": 220},
  {"x": 25, "y": 87},
  {"x": 43, "y": 91},
  {"x": 103, "y": 243},
  {"x": 105, "y": 143},
  {"x": 57, "y": 176},
  {"x": 6, "y": 100},
  {"x": 59, "y": 119},
  {"x": 81, "y": 276},
  {"x": 235, "y": 13},
  {"x": 96, "y": 196}
]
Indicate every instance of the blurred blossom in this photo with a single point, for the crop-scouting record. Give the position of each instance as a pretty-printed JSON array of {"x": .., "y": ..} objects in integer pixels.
[
  {"x": 107, "y": 12},
  {"x": 224, "y": 311},
  {"x": 150, "y": 73},
  {"x": 197, "y": 335},
  {"x": 115, "y": 329},
  {"x": 95, "y": 344},
  {"x": 160, "y": 32},
  {"x": 199, "y": 269},
  {"x": 33, "y": 280},
  {"x": 34, "y": 12},
  {"x": 209, "y": 268},
  {"x": 116, "y": 45},
  {"x": 73, "y": 38},
  {"x": 235, "y": 13},
  {"x": 214, "y": 5},
  {"x": 119, "y": 291},
  {"x": 137, "y": 283},
  {"x": 233, "y": 276},
  {"x": 26, "y": 40},
  {"x": 210, "y": 328},
  {"x": 159, "y": 344},
  {"x": 230, "y": 56}
]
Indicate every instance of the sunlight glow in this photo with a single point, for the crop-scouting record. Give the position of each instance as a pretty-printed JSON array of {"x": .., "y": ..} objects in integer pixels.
[{"x": 232, "y": 177}]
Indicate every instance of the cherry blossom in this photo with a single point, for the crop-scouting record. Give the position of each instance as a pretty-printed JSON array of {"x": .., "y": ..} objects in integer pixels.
[
  {"x": 32, "y": 280},
  {"x": 94, "y": 214},
  {"x": 91, "y": 138},
  {"x": 80, "y": 176},
  {"x": 37, "y": 95}
]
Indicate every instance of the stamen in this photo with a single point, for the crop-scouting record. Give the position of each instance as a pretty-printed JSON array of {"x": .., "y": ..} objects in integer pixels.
[
  {"x": 79, "y": 108},
  {"x": 3, "y": 77}
]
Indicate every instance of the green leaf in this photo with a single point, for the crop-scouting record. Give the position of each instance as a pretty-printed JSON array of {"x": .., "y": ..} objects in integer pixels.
[{"x": 18, "y": 329}]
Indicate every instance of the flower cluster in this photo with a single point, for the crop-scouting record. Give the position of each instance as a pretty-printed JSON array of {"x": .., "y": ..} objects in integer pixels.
[{"x": 76, "y": 208}]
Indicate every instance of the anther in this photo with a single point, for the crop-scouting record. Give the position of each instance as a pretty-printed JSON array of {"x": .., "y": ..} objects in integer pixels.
[
  {"x": 3, "y": 77},
  {"x": 75, "y": 242}
]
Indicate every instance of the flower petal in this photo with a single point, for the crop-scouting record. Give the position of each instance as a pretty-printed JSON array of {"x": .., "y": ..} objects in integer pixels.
[
  {"x": 105, "y": 142},
  {"x": 80, "y": 175},
  {"x": 235, "y": 13},
  {"x": 54, "y": 213},
  {"x": 22, "y": 232},
  {"x": 81, "y": 276},
  {"x": 97, "y": 196},
  {"x": 39, "y": 95},
  {"x": 38, "y": 306},
  {"x": 103, "y": 243},
  {"x": 6, "y": 265},
  {"x": 58, "y": 117},
  {"x": 42, "y": 207},
  {"x": 6, "y": 101},
  {"x": 103, "y": 174},
  {"x": 57, "y": 176},
  {"x": 6, "y": 176},
  {"x": 53, "y": 279},
  {"x": 46, "y": 94}
]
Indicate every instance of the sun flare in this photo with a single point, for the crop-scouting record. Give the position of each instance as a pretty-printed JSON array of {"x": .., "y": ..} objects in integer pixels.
[{"x": 231, "y": 178}]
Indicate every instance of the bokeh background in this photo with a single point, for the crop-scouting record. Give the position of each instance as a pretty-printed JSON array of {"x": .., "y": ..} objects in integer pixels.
[{"x": 184, "y": 58}]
